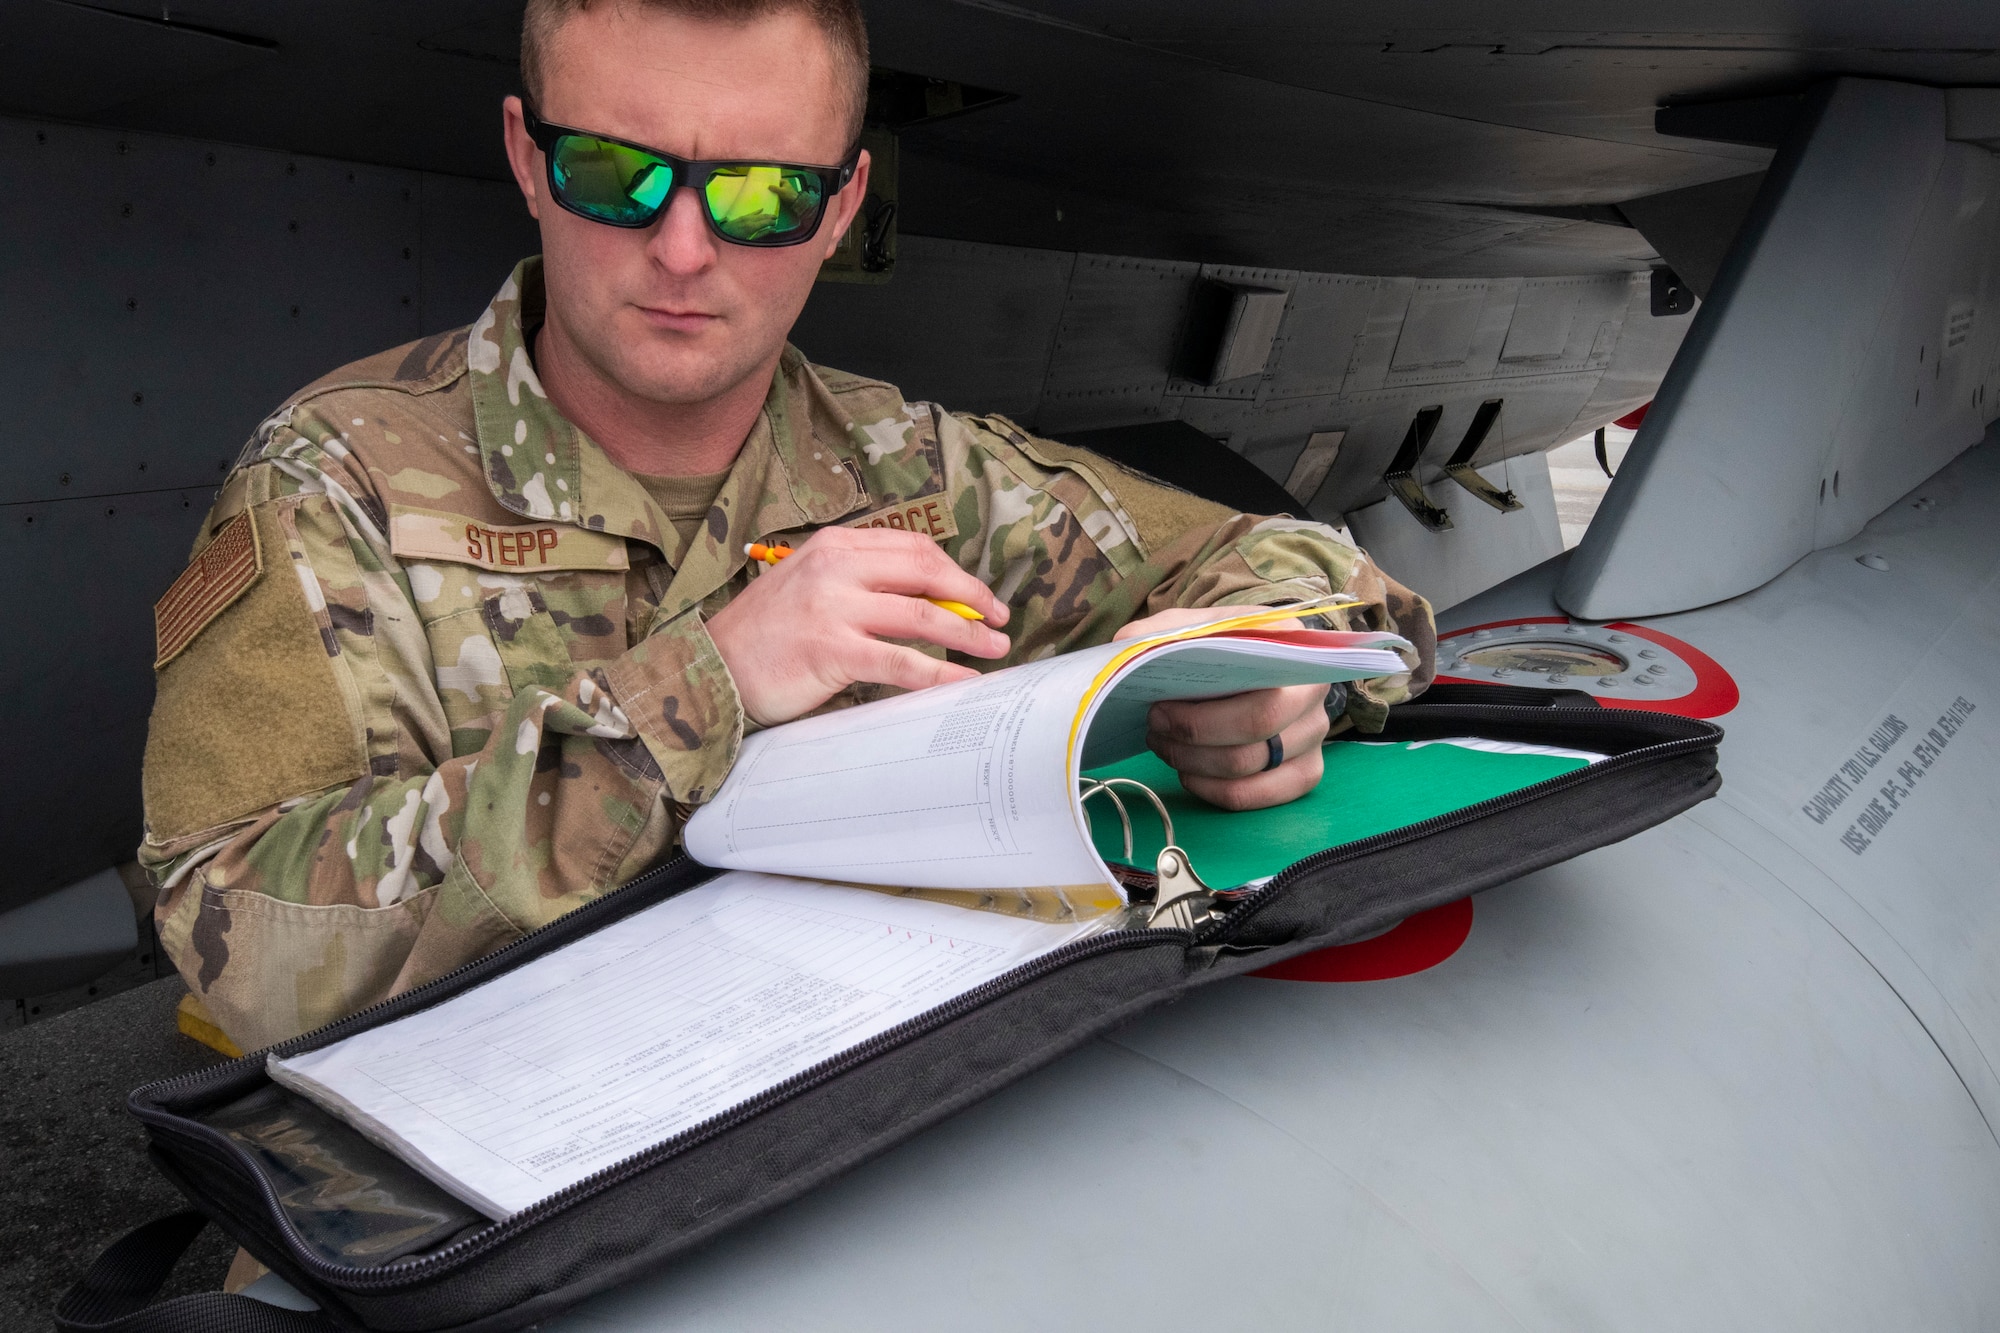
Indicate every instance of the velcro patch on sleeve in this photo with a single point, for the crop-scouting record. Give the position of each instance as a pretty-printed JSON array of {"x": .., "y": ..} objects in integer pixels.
[
  {"x": 419, "y": 534},
  {"x": 927, "y": 516},
  {"x": 223, "y": 572}
]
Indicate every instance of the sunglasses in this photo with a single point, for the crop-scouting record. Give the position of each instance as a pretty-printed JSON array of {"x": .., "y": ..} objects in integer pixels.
[{"x": 627, "y": 185}]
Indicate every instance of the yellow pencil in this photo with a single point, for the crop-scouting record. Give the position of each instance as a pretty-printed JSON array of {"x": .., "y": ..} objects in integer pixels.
[{"x": 771, "y": 555}]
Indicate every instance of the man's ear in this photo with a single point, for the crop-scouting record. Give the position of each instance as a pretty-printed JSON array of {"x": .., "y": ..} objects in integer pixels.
[
  {"x": 521, "y": 154},
  {"x": 845, "y": 205}
]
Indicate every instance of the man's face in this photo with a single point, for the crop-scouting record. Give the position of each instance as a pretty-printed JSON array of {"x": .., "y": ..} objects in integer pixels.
[{"x": 671, "y": 313}]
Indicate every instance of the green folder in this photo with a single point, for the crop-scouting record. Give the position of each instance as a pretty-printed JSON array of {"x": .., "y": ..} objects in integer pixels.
[{"x": 1369, "y": 788}]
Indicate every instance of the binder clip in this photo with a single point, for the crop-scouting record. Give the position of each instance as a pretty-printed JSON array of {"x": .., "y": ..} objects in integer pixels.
[{"x": 1180, "y": 900}]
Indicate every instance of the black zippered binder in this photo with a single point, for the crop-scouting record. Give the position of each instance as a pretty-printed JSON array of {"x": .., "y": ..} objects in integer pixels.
[{"x": 462, "y": 1272}]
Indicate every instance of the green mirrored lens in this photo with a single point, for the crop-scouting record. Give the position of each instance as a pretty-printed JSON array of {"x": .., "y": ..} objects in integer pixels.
[
  {"x": 609, "y": 181},
  {"x": 757, "y": 203}
]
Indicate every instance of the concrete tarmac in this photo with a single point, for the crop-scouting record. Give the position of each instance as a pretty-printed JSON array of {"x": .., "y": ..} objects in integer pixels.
[{"x": 76, "y": 1176}]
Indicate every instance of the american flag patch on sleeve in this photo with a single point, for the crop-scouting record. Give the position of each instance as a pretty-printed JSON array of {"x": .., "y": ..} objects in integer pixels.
[{"x": 223, "y": 572}]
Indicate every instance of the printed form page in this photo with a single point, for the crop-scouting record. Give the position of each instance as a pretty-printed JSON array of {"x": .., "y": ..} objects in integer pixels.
[
  {"x": 539, "y": 1078},
  {"x": 961, "y": 786}
]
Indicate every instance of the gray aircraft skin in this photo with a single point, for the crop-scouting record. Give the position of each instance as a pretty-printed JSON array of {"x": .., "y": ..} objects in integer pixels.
[
  {"x": 1735, "y": 1072},
  {"x": 1726, "y": 1074}
]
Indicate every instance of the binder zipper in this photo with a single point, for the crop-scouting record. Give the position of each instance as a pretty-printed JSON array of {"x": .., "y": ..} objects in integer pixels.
[
  {"x": 404, "y": 1271},
  {"x": 1242, "y": 909},
  {"x": 401, "y": 1272}
]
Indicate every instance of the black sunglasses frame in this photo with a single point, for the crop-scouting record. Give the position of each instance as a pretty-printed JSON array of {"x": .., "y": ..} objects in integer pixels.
[{"x": 690, "y": 174}]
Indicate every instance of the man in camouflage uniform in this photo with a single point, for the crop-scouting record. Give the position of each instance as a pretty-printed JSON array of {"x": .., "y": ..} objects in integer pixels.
[{"x": 503, "y": 668}]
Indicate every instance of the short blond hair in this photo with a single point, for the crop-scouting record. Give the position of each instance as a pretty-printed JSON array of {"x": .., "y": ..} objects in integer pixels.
[{"x": 839, "y": 21}]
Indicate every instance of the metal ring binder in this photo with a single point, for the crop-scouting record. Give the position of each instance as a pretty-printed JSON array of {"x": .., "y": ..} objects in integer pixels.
[{"x": 1182, "y": 901}]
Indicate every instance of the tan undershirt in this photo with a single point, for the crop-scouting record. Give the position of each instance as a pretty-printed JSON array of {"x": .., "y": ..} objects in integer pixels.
[{"x": 684, "y": 500}]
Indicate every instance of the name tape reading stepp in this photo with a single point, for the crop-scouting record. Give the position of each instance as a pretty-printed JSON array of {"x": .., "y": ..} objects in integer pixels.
[{"x": 416, "y": 534}]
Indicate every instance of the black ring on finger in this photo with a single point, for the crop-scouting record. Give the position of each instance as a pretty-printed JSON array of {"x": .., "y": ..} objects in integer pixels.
[{"x": 1276, "y": 746}]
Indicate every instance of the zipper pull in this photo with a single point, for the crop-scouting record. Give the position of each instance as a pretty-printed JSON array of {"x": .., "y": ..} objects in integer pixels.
[{"x": 1182, "y": 901}]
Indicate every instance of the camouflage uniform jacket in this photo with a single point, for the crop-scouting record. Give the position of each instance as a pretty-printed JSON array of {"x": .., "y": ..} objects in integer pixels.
[{"x": 488, "y": 696}]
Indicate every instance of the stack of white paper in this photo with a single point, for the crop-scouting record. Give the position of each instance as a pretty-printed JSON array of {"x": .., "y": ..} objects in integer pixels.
[{"x": 511, "y": 1091}]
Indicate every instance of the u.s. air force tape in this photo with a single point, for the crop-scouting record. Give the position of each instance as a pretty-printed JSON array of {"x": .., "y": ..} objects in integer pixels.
[{"x": 927, "y": 516}]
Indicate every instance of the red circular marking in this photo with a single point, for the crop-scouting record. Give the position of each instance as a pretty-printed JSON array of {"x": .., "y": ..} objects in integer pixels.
[
  {"x": 1631, "y": 420},
  {"x": 1420, "y": 942},
  {"x": 1714, "y": 691}
]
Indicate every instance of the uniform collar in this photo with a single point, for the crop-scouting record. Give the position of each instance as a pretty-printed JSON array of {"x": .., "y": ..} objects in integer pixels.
[
  {"x": 792, "y": 471},
  {"x": 530, "y": 453},
  {"x": 786, "y": 477}
]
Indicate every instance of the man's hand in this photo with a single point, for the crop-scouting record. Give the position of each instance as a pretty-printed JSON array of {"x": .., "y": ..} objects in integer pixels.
[
  {"x": 1221, "y": 747},
  {"x": 816, "y": 622}
]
